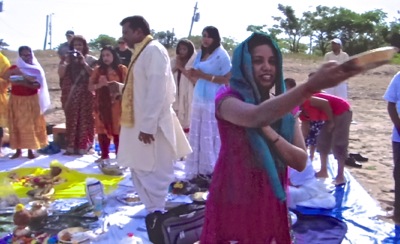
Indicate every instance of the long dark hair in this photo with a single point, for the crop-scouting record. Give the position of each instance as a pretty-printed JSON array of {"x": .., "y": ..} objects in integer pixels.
[
  {"x": 80, "y": 38},
  {"x": 188, "y": 44},
  {"x": 214, "y": 34},
  {"x": 104, "y": 103}
]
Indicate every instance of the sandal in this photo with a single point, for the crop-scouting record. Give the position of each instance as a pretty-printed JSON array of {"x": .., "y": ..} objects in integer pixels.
[
  {"x": 353, "y": 163},
  {"x": 358, "y": 157}
]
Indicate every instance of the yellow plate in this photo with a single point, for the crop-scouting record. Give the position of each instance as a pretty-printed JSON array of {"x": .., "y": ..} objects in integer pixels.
[
  {"x": 370, "y": 59},
  {"x": 72, "y": 231}
]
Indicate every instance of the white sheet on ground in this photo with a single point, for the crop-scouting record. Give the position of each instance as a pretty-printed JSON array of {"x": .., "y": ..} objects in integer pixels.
[{"x": 122, "y": 219}]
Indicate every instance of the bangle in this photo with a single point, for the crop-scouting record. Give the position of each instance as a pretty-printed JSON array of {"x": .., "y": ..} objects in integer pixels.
[
  {"x": 212, "y": 78},
  {"x": 276, "y": 140}
]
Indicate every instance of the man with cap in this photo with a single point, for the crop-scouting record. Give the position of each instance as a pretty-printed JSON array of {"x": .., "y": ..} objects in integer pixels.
[
  {"x": 63, "y": 48},
  {"x": 123, "y": 52},
  {"x": 338, "y": 55}
]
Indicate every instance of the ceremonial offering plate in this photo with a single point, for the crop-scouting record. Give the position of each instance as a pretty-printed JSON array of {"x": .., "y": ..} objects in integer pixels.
[
  {"x": 370, "y": 59},
  {"x": 73, "y": 235},
  {"x": 111, "y": 169},
  {"x": 131, "y": 199}
]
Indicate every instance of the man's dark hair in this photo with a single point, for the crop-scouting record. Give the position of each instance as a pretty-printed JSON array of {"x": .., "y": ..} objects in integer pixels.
[{"x": 136, "y": 22}]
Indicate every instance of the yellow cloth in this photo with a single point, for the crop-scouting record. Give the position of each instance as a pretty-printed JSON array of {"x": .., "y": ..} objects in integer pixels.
[
  {"x": 73, "y": 187},
  {"x": 127, "y": 116},
  {"x": 27, "y": 125},
  {"x": 4, "y": 84}
]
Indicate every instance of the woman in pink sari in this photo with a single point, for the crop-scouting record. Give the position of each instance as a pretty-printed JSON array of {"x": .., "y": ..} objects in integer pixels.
[{"x": 259, "y": 139}]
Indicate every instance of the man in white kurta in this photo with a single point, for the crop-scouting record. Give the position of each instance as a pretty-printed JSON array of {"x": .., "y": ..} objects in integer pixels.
[
  {"x": 156, "y": 139},
  {"x": 338, "y": 55}
]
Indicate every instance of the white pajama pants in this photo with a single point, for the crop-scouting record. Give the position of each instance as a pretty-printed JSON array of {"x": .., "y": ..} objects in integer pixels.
[{"x": 152, "y": 186}]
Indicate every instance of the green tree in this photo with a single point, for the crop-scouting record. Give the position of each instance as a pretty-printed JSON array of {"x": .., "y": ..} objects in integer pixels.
[
  {"x": 229, "y": 44},
  {"x": 256, "y": 28},
  {"x": 101, "y": 41},
  {"x": 167, "y": 38},
  {"x": 319, "y": 27},
  {"x": 196, "y": 41},
  {"x": 290, "y": 25},
  {"x": 358, "y": 32},
  {"x": 3, "y": 44},
  {"x": 274, "y": 32}
]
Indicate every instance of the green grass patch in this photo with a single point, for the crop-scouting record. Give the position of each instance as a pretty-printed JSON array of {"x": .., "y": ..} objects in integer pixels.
[
  {"x": 370, "y": 168},
  {"x": 396, "y": 59}
]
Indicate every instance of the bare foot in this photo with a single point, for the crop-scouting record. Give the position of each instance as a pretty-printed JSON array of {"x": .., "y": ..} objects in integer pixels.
[
  {"x": 16, "y": 155},
  {"x": 321, "y": 175},
  {"x": 339, "y": 181}
]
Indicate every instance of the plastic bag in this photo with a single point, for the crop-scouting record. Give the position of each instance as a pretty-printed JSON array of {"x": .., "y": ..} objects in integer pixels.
[{"x": 8, "y": 197}]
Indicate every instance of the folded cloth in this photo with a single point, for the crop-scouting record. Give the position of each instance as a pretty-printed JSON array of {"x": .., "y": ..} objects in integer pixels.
[{"x": 312, "y": 194}]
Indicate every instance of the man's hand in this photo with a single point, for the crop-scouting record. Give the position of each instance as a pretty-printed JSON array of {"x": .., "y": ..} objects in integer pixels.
[{"x": 146, "y": 138}]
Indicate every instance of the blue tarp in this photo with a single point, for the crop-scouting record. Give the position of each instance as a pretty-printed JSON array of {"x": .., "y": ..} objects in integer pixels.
[{"x": 359, "y": 211}]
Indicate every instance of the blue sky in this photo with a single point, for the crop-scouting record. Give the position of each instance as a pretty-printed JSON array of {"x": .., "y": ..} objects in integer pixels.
[{"x": 23, "y": 22}]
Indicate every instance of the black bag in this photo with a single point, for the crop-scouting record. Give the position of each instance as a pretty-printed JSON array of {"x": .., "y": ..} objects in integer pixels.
[{"x": 180, "y": 225}]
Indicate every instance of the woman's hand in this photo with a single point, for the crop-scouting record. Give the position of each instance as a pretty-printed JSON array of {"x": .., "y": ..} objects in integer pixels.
[
  {"x": 329, "y": 75},
  {"x": 195, "y": 73},
  {"x": 102, "y": 81},
  {"x": 178, "y": 64}
]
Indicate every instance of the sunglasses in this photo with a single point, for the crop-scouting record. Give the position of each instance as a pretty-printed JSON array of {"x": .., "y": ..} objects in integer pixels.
[{"x": 121, "y": 42}]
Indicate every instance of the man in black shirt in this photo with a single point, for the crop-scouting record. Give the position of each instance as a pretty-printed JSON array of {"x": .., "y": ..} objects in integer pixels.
[
  {"x": 64, "y": 48},
  {"x": 123, "y": 52}
]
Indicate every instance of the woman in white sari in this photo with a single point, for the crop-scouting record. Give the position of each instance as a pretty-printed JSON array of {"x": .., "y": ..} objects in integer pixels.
[
  {"x": 185, "y": 56},
  {"x": 29, "y": 100},
  {"x": 212, "y": 71}
]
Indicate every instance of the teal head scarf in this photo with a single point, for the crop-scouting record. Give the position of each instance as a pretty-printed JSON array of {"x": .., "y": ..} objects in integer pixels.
[{"x": 242, "y": 81}]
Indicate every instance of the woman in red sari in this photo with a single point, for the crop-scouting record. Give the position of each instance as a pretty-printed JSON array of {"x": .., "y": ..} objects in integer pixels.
[
  {"x": 259, "y": 139},
  {"x": 76, "y": 99},
  {"x": 107, "y": 104}
]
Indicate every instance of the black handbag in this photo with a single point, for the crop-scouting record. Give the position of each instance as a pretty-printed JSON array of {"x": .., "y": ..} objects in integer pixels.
[{"x": 180, "y": 225}]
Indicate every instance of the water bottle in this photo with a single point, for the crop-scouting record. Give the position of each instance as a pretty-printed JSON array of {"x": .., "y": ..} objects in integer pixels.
[{"x": 94, "y": 189}]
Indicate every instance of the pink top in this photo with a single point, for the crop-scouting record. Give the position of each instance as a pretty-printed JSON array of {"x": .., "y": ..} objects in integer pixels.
[{"x": 338, "y": 104}]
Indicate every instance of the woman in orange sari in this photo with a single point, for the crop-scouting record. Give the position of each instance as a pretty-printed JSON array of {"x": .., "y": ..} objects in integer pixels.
[
  {"x": 29, "y": 100},
  {"x": 107, "y": 103}
]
